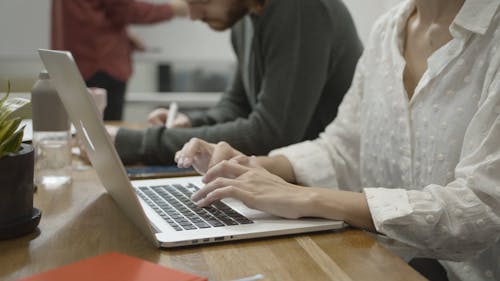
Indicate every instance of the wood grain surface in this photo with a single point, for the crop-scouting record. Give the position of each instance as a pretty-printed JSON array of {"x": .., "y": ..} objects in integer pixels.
[{"x": 82, "y": 220}]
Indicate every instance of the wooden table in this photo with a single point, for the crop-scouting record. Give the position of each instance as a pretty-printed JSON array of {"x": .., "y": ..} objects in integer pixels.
[{"x": 82, "y": 220}]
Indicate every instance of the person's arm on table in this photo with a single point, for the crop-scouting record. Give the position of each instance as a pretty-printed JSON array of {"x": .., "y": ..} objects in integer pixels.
[
  {"x": 244, "y": 179},
  {"x": 272, "y": 123}
]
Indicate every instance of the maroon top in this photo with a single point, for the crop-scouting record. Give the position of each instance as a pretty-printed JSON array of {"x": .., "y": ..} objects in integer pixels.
[{"x": 95, "y": 31}]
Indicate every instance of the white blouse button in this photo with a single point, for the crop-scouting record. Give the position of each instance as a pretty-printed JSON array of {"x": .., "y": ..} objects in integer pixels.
[
  {"x": 460, "y": 110},
  {"x": 480, "y": 222},
  {"x": 440, "y": 157},
  {"x": 444, "y": 124},
  {"x": 467, "y": 79},
  {"x": 435, "y": 107},
  {"x": 470, "y": 181},
  {"x": 470, "y": 198},
  {"x": 450, "y": 93},
  {"x": 443, "y": 228},
  {"x": 429, "y": 219}
]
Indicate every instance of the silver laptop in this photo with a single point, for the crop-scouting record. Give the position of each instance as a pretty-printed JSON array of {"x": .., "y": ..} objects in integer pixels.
[{"x": 161, "y": 208}]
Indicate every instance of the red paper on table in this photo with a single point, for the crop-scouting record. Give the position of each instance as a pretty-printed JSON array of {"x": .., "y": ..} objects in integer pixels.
[{"x": 113, "y": 267}]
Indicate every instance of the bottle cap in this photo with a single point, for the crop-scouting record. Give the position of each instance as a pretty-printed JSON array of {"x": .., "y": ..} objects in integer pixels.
[{"x": 44, "y": 75}]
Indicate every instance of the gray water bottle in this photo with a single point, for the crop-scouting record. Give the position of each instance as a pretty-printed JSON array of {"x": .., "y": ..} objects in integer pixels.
[{"x": 51, "y": 135}]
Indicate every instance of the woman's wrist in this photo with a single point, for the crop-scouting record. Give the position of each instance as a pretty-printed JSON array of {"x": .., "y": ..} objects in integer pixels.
[
  {"x": 278, "y": 165},
  {"x": 347, "y": 206}
]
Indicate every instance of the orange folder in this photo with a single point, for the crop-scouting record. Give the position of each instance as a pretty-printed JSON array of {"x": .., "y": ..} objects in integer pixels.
[{"x": 113, "y": 267}]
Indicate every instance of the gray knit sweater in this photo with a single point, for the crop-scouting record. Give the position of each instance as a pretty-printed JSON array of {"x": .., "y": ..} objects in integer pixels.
[{"x": 295, "y": 62}]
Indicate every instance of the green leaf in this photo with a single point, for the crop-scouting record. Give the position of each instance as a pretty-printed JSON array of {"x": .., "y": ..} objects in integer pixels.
[
  {"x": 18, "y": 107},
  {"x": 6, "y": 95},
  {"x": 11, "y": 111},
  {"x": 8, "y": 127},
  {"x": 12, "y": 144}
]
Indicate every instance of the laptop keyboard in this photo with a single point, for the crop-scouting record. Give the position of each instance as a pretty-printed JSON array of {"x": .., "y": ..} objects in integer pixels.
[{"x": 173, "y": 203}]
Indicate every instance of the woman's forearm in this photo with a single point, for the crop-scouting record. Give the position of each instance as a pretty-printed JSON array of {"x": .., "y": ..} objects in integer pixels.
[{"x": 348, "y": 206}]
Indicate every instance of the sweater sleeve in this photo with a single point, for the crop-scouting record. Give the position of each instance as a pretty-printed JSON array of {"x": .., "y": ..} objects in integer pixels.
[
  {"x": 123, "y": 12},
  {"x": 297, "y": 51}
]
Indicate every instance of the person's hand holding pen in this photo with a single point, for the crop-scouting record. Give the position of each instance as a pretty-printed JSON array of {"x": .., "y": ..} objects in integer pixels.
[{"x": 171, "y": 117}]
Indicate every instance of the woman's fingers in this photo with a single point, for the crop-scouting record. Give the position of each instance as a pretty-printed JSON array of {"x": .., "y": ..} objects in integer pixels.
[
  {"x": 211, "y": 187},
  {"x": 225, "y": 169},
  {"x": 225, "y": 192},
  {"x": 194, "y": 150},
  {"x": 222, "y": 151}
]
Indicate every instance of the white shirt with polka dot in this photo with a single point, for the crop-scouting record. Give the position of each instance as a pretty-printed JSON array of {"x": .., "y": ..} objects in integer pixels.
[{"x": 429, "y": 166}]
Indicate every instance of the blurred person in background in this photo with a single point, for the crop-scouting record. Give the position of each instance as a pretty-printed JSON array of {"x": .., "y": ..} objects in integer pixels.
[
  {"x": 295, "y": 61},
  {"x": 95, "y": 32}
]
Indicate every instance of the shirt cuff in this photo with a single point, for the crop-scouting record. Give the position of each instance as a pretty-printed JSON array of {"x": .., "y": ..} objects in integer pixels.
[
  {"x": 128, "y": 144},
  {"x": 387, "y": 206},
  {"x": 311, "y": 165}
]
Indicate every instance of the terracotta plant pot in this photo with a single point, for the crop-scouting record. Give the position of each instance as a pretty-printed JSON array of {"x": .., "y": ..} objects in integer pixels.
[{"x": 17, "y": 215}]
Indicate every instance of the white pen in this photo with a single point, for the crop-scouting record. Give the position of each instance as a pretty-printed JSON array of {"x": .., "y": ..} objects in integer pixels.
[
  {"x": 251, "y": 278},
  {"x": 172, "y": 112}
]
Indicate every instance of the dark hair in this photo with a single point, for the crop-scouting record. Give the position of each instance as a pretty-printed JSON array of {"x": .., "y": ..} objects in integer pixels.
[{"x": 261, "y": 2}]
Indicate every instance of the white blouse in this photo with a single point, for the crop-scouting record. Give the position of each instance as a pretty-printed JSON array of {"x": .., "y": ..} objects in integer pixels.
[{"x": 429, "y": 166}]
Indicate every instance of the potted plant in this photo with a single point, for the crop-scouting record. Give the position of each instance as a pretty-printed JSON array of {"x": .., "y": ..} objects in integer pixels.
[{"x": 17, "y": 215}]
